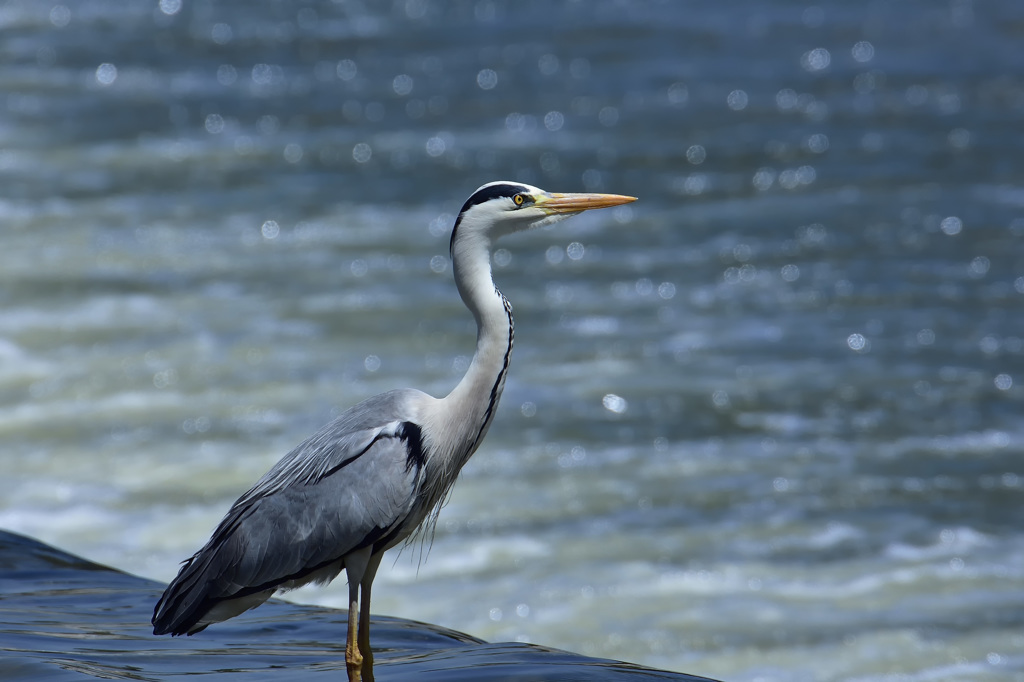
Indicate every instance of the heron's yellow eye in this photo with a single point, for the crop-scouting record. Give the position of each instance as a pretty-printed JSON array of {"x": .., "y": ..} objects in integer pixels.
[{"x": 518, "y": 199}]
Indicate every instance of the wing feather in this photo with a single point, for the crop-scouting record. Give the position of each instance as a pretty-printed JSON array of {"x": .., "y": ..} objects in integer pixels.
[{"x": 352, "y": 484}]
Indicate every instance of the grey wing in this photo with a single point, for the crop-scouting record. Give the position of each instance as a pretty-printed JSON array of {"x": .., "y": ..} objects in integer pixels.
[{"x": 352, "y": 485}]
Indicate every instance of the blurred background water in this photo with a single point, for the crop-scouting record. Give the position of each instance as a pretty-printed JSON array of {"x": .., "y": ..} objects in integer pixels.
[{"x": 763, "y": 424}]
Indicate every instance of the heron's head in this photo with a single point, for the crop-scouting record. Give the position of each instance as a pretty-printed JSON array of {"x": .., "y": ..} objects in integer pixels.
[{"x": 503, "y": 207}]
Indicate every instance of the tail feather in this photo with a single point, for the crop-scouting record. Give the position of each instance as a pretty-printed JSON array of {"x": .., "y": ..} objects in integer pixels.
[
  {"x": 183, "y": 603},
  {"x": 223, "y": 579},
  {"x": 203, "y": 582}
]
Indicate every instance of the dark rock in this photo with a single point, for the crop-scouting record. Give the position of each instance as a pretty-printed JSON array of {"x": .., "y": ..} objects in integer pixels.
[{"x": 64, "y": 618}]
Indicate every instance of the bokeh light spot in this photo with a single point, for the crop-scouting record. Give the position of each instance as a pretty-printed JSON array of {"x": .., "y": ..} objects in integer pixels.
[
  {"x": 951, "y": 225},
  {"x": 170, "y": 7},
  {"x": 615, "y": 403},
  {"x": 554, "y": 120},
  {"x": 737, "y": 100},
  {"x": 817, "y": 59},
  {"x": 487, "y": 79},
  {"x": 362, "y": 152},
  {"x": 402, "y": 84},
  {"x": 863, "y": 51},
  {"x": 858, "y": 342},
  {"x": 106, "y": 74}
]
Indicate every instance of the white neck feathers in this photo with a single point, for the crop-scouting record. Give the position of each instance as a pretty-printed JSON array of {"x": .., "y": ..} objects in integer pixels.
[{"x": 467, "y": 411}]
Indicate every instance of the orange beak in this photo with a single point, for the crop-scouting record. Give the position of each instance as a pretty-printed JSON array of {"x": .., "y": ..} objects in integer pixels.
[{"x": 575, "y": 203}]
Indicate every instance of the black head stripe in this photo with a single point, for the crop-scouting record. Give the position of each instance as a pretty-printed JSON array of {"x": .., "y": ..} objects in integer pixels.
[{"x": 501, "y": 189}]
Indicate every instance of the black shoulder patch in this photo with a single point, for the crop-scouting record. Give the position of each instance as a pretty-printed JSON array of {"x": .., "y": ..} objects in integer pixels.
[{"x": 413, "y": 437}]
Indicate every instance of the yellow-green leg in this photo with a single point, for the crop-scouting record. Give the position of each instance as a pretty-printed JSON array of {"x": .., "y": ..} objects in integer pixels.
[
  {"x": 364, "y": 616},
  {"x": 353, "y": 658}
]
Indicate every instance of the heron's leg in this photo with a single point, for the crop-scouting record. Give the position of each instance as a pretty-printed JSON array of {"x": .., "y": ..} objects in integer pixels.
[
  {"x": 355, "y": 567},
  {"x": 364, "y": 612},
  {"x": 353, "y": 659}
]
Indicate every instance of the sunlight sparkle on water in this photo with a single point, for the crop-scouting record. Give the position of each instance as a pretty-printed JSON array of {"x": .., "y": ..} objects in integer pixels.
[
  {"x": 487, "y": 79},
  {"x": 106, "y": 74},
  {"x": 614, "y": 403}
]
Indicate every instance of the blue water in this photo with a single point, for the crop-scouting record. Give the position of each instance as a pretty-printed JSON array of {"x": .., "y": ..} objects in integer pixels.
[
  {"x": 763, "y": 424},
  {"x": 62, "y": 618}
]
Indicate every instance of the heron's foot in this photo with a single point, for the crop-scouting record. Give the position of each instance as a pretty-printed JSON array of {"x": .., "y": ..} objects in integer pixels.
[{"x": 354, "y": 662}]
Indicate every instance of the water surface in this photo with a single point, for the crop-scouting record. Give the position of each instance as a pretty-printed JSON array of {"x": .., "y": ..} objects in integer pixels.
[
  {"x": 764, "y": 424},
  {"x": 62, "y": 618}
]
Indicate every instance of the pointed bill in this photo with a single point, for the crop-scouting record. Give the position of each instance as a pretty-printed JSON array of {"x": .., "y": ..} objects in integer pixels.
[{"x": 553, "y": 202}]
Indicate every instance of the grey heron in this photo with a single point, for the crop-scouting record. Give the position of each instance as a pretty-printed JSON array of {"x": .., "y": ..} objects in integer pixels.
[{"x": 367, "y": 480}]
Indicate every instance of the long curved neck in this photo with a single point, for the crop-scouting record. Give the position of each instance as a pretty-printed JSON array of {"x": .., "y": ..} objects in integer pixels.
[{"x": 472, "y": 403}]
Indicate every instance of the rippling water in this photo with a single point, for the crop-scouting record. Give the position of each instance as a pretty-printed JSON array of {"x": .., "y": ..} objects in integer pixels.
[
  {"x": 763, "y": 424},
  {"x": 62, "y": 618}
]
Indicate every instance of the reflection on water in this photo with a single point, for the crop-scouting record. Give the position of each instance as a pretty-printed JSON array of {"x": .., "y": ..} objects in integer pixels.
[{"x": 762, "y": 424}]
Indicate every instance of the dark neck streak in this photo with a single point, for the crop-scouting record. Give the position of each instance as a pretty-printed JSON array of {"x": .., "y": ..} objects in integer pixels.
[{"x": 499, "y": 382}]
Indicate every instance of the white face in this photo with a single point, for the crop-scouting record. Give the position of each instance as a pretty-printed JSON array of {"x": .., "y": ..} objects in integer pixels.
[
  {"x": 533, "y": 208},
  {"x": 500, "y": 208},
  {"x": 504, "y": 207}
]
